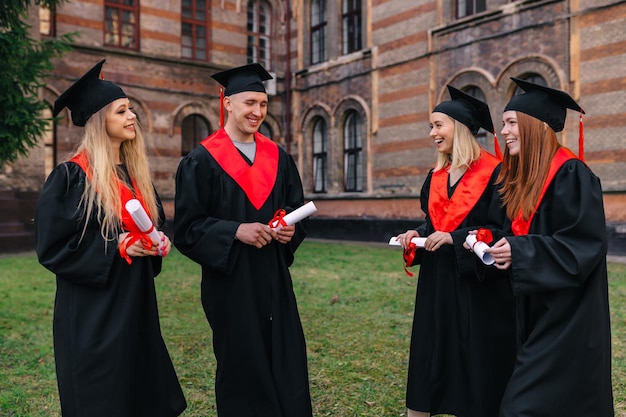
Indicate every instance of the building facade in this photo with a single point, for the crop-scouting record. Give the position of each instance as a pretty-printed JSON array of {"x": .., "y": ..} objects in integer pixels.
[{"x": 355, "y": 81}]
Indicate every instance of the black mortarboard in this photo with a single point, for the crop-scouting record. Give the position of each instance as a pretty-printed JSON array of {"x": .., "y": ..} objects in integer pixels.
[
  {"x": 466, "y": 109},
  {"x": 88, "y": 95},
  {"x": 246, "y": 78},
  {"x": 544, "y": 103}
]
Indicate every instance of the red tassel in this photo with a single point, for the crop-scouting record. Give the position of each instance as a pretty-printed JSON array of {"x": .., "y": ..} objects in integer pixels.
[
  {"x": 581, "y": 137},
  {"x": 221, "y": 107},
  {"x": 496, "y": 146}
]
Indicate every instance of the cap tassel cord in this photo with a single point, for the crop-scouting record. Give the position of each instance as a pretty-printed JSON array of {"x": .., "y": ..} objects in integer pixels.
[
  {"x": 581, "y": 137},
  {"x": 496, "y": 146}
]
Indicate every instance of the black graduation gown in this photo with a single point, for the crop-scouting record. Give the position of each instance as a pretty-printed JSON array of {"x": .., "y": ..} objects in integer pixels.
[
  {"x": 111, "y": 359},
  {"x": 559, "y": 276},
  {"x": 463, "y": 337},
  {"x": 247, "y": 293}
]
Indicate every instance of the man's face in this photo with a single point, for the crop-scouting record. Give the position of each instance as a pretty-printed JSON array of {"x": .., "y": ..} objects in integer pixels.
[{"x": 247, "y": 110}]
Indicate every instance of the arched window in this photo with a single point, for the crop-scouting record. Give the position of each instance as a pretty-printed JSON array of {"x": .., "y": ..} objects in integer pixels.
[
  {"x": 266, "y": 130},
  {"x": 531, "y": 78},
  {"x": 194, "y": 26},
  {"x": 259, "y": 30},
  {"x": 121, "y": 23},
  {"x": 318, "y": 31},
  {"x": 194, "y": 129},
  {"x": 320, "y": 156},
  {"x": 353, "y": 152},
  {"x": 352, "y": 26},
  {"x": 477, "y": 93}
]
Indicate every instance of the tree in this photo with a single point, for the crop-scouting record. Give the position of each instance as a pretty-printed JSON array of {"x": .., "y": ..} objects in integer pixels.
[{"x": 24, "y": 64}]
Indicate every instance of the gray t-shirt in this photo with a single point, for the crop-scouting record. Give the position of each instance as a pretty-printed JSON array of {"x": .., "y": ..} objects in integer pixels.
[{"x": 247, "y": 148}]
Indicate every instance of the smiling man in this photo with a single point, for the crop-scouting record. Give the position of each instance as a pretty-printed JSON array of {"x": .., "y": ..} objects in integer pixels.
[{"x": 227, "y": 191}]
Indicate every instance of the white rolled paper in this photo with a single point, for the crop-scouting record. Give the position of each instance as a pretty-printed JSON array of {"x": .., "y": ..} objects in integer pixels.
[
  {"x": 418, "y": 241},
  {"x": 142, "y": 220},
  {"x": 479, "y": 249},
  {"x": 297, "y": 215}
]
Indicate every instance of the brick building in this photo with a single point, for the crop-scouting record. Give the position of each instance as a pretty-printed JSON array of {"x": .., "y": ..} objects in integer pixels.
[{"x": 355, "y": 81}]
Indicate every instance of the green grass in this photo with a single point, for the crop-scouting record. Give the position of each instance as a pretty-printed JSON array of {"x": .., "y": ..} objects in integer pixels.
[{"x": 356, "y": 305}]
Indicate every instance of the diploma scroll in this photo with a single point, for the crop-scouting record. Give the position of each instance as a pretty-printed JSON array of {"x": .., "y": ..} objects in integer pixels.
[
  {"x": 418, "y": 241},
  {"x": 294, "y": 217},
  {"x": 143, "y": 222},
  {"x": 479, "y": 249}
]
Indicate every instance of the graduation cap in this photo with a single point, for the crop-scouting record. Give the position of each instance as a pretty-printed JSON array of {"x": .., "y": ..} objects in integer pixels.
[
  {"x": 548, "y": 105},
  {"x": 470, "y": 111},
  {"x": 88, "y": 95},
  {"x": 237, "y": 80},
  {"x": 246, "y": 78}
]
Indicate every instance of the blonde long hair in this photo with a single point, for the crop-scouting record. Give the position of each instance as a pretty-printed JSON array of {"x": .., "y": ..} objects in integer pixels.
[
  {"x": 465, "y": 149},
  {"x": 101, "y": 195},
  {"x": 523, "y": 176}
]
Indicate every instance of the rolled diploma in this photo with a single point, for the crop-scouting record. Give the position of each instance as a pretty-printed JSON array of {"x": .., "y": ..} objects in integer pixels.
[
  {"x": 142, "y": 220},
  {"x": 479, "y": 249},
  {"x": 297, "y": 215},
  {"x": 418, "y": 241}
]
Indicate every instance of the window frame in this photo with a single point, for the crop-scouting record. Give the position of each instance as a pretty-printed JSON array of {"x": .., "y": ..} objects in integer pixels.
[
  {"x": 195, "y": 24},
  {"x": 259, "y": 10},
  {"x": 466, "y": 8},
  {"x": 318, "y": 31},
  {"x": 120, "y": 8},
  {"x": 351, "y": 26},
  {"x": 52, "y": 25},
  {"x": 187, "y": 144},
  {"x": 320, "y": 157},
  {"x": 354, "y": 175}
]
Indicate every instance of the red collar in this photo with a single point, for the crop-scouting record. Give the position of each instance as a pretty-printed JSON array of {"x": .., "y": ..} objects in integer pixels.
[
  {"x": 256, "y": 180},
  {"x": 446, "y": 214},
  {"x": 125, "y": 193},
  {"x": 562, "y": 155}
]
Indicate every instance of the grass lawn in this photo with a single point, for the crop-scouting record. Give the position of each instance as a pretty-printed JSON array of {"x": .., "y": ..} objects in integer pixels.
[{"x": 356, "y": 305}]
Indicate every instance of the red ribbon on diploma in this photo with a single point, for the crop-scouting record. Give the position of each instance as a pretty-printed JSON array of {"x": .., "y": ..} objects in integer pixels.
[
  {"x": 484, "y": 235},
  {"x": 409, "y": 255},
  {"x": 133, "y": 237},
  {"x": 278, "y": 219}
]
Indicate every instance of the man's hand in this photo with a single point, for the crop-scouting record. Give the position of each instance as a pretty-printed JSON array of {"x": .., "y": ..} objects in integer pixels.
[{"x": 255, "y": 234}]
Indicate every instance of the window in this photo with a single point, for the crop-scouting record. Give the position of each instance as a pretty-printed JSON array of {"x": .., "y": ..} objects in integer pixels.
[
  {"x": 320, "y": 156},
  {"x": 477, "y": 93},
  {"x": 49, "y": 142},
  {"x": 47, "y": 21},
  {"x": 353, "y": 153},
  {"x": 318, "y": 31},
  {"x": 531, "y": 78},
  {"x": 194, "y": 30},
  {"x": 351, "y": 17},
  {"x": 259, "y": 25},
  {"x": 121, "y": 23},
  {"x": 195, "y": 129},
  {"x": 470, "y": 7}
]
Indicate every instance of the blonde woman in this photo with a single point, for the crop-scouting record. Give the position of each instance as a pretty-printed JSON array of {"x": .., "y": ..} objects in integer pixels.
[
  {"x": 111, "y": 359},
  {"x": 461, "y": 352}
]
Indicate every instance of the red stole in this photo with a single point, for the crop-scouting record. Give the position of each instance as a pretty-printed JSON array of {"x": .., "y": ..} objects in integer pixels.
[
  {"x": 125, "y": 193},
  {"x": 446, "y": 214},
  {"x": 256, "y": 180},
  {"x": 562, "y": 155}
]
